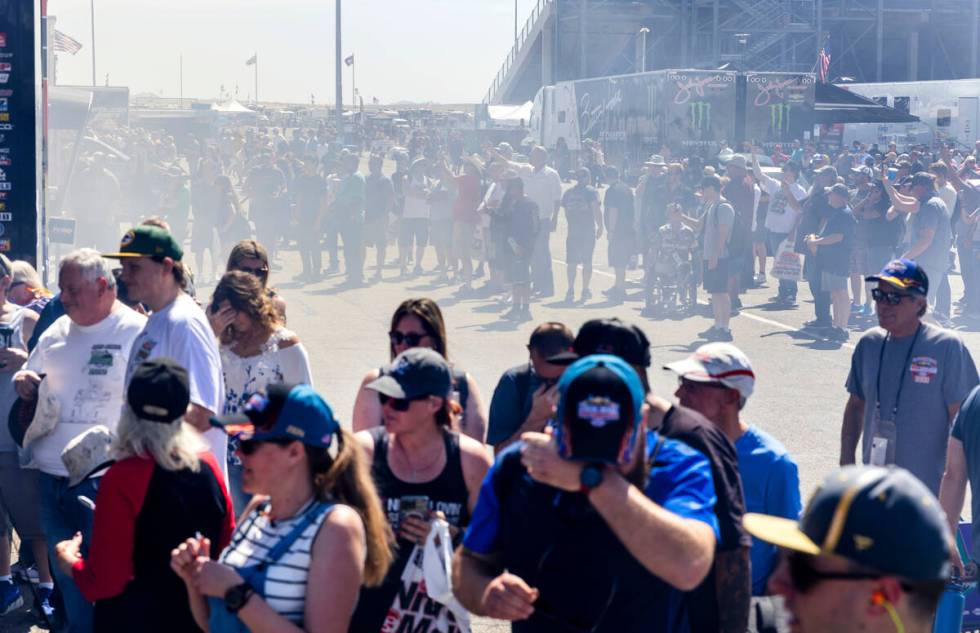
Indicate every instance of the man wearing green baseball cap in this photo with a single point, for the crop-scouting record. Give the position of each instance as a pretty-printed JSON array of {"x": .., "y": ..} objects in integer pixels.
[
  {"x": 177, "y": 328},
  {"x": 871, "y": 552}
]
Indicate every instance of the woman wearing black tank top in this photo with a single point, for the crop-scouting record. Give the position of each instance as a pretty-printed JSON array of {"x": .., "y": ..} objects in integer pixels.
[
  {"x": 422, "y": 469},
  {"x": 419, "y": 323}
]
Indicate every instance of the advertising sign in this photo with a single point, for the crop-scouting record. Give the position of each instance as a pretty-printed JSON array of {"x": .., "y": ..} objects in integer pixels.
[
  {"x": 778, "y": 107},
  {"x": 620, "y": 111},
  {"x": 699, "y": 108},
  {"x": 18, "y": 133}
]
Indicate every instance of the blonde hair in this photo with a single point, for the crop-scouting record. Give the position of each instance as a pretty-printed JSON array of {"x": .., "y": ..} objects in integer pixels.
[
  {"x": 173, "y": 446},
  {"x": 21, "y": 271},
  {"x": 346, "y": 478}
]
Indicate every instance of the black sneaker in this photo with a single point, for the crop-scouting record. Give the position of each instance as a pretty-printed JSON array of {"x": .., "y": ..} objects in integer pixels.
[{"x": 818, "y": 324}]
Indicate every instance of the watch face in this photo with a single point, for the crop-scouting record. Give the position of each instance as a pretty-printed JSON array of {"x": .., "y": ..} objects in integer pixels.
[{"x": 591, "y": 477}]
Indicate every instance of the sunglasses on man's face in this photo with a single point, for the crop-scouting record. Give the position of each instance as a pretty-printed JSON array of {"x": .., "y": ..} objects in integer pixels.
[
  {"x": 891, "y": 298},
  {"x": 805, "y": 576},
  {"x": 412, "y": 339}
]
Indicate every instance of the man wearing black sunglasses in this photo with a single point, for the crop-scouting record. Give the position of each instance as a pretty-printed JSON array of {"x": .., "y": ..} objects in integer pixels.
[
  {"x": 870, "y": 553},
  {"x": 907, "y": 380}
]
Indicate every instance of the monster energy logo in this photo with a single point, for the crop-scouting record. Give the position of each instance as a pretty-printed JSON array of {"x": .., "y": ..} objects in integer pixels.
[
  {"x": 779, "y": 117},
  {"x": 700, "y": 113}
]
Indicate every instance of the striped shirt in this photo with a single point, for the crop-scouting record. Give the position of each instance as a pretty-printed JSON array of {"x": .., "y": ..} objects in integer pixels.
[{"x": 285, "y": 583}]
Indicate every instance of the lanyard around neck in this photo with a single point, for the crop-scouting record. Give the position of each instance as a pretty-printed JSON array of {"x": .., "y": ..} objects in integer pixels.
[{"x": 901, "y": 376}]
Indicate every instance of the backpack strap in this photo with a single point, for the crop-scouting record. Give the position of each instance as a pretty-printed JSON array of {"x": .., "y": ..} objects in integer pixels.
[{"x": 311, "y": 516}]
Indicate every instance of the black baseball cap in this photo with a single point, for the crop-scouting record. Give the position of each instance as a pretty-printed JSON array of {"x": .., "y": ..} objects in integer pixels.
[
  {"x": 416, "y": 372},
  {"x": 283, "y": 412},
  {"x": 608, "y": 336},
  {"x": 884, "y": 519},
  {"x": 159, "y": 390},
  {"x": 148, "y": 241},
  {"x": 599, "y": 401}
]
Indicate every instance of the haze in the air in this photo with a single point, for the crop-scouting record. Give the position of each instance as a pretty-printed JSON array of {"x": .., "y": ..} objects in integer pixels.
[{"x": 419, "y": 50}]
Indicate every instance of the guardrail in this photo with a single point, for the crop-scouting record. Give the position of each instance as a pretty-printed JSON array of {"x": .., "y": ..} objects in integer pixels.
[{"x": 536, "y": 13}]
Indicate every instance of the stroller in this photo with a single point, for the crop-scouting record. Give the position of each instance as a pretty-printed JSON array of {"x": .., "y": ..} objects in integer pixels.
[{"x": 673, "y": 270}]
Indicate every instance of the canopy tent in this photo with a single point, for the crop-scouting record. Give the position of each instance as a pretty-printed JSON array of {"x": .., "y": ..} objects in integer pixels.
[
  {"x": 839, "y": 105},
  {"x": 510, "y": 114},
  {"x": 231, "y": 107}
]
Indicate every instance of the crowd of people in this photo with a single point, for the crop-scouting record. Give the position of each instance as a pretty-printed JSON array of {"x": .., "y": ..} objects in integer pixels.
[{"x": 169, "y": 465}]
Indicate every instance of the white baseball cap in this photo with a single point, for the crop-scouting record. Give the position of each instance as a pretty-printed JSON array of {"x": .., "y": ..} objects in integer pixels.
[{"x": 721, "y": 363}]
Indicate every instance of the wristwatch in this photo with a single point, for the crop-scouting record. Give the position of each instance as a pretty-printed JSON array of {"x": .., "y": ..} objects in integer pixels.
[
  {"x": 237, "y": 597},
  {"x": 590, "y": 478}
]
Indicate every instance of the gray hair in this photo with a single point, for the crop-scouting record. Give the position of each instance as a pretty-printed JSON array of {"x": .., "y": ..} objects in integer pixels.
[
  {"x": 91, "y": 264},
  {"x": 174, "y": 446}
]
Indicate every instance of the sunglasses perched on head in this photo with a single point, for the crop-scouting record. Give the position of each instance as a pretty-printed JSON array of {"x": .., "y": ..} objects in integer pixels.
[
  {"x": 412, "y": 339},
  {"x": 398, "y": 404},
  {"x": 891, "y": 298},
  {"x": 804, "y": 576}
]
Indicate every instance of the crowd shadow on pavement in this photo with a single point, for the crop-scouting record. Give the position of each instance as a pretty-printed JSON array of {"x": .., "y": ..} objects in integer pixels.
[{"x": 807, "y": 339}]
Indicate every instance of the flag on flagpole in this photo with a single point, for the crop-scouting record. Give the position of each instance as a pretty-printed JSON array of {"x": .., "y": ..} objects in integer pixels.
[
  {"x": 251, "y": 61},
  {"x": 823, "y": 61},
  {"x": 349, "y": 60},
  {"x": 64, "y": 43}
]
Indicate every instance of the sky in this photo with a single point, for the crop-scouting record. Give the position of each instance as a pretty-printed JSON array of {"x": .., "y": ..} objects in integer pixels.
[{"x": 444, "y": 51}]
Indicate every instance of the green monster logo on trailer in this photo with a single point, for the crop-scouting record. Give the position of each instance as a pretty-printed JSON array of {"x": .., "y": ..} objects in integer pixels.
[
  {"x": 700, "y": 115},
  {"x": 779, "y": 117}
]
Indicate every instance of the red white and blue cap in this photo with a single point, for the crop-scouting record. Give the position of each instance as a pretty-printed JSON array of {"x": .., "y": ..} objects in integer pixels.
[
  {"x": 283, "y": 412},
  {"x": 721, "y": 363},
  {"x": 905, "y": 274}
]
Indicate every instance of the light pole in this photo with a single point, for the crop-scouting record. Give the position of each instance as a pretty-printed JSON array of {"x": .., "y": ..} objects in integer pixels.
[
  {"x": 643, "y": 49},
  {"x": 339, "y": 72},
  {"x": 92, "y": 15}
]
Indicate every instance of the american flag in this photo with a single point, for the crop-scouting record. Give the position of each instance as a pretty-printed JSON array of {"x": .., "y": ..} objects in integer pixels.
[
  {"x": 65, "y": 44},
  {"x": 823, "y": 61}
]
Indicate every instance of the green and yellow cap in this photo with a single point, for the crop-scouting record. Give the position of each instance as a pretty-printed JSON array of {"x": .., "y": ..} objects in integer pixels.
[{"x": 148, "y": 241}]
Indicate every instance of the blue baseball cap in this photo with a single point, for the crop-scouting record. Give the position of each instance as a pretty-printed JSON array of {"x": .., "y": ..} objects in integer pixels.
[
  {"x": 599, "y": 400},
  {"x": 283, "y": 412},
  {"x": 905, "y": 274}
]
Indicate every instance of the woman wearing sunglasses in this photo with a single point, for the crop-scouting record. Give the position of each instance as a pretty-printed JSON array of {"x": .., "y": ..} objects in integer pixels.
[
  {"x": 256, "y": 351},
  {"x": 249, "y": 256},
  {"x": 315, "y": 529},
  {"x": 419, "y": 323},
  {"x": 422, "y": 468}
]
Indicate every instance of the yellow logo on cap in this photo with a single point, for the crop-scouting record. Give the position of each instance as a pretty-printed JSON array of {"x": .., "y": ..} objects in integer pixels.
[{"x": 862, "y": 542}]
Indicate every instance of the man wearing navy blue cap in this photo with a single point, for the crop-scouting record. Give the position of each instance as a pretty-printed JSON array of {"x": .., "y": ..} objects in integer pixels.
[
  {"x": 870, "y": 553},
  {"x": 576, "y": 530},
  {"x": 907, "y": 380}
]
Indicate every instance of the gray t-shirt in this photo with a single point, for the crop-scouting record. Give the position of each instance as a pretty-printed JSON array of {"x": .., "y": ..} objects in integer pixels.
[
  {"x": 932, "y": 214},
  {"x": 940, "y": 373},
  {"x": 715, "y": 216},
  {"x": 966, "y": 428}
]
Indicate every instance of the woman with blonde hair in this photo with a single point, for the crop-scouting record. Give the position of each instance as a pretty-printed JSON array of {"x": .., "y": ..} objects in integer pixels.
[
  {"x": 164, "y": 487},
  {"x": 26, "y": 288},
  {"x": 316, "y": 525}
]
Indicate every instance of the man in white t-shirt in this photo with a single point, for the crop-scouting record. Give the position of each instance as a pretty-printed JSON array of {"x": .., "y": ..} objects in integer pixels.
[
  {"x": 542, "y": 185},
  {"x": 781, "y": 218},
  {"x": 82, "y": 358},
  {"x": 177, "y": 327}
]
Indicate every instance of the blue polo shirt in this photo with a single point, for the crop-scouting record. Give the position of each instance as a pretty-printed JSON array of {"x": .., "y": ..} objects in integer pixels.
[
  {"x": 560, "y": 545},
  {"x": 771, "y": 483}
]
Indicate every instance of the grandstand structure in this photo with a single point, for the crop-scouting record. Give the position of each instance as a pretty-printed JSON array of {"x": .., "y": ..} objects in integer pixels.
[{"x": 867, "y": 40}]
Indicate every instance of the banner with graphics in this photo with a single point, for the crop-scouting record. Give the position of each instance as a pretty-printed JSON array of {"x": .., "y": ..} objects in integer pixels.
[
  {"x": 778, "y": 107},
  {"x": 620, "y": 112},
  {"x": 699, "y": 108}
]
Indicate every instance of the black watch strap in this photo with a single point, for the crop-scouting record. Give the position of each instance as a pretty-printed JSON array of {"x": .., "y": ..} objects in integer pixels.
[{"x": 237, "y": 597}]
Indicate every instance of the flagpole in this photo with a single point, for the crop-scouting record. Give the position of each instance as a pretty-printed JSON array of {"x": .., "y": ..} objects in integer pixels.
[
  {"x": 339, "y": 73},
  {"x": 256, "y": 56},
  {"x": 353, "y": 85},
  {"x": 92, "y": 14}
]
